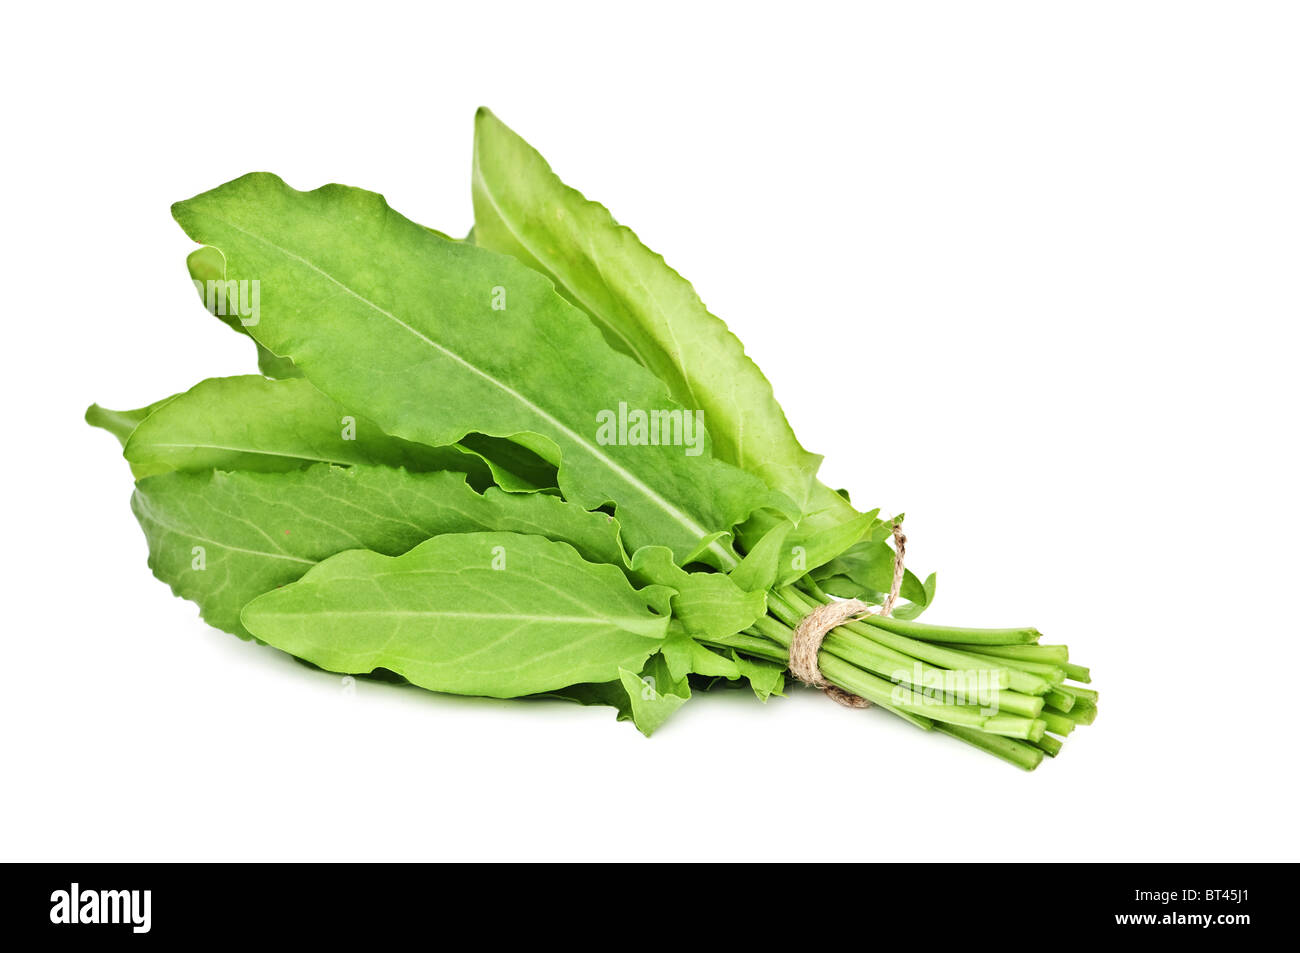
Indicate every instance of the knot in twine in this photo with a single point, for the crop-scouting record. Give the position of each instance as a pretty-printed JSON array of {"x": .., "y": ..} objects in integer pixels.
[{"x": 813, "y": 629}]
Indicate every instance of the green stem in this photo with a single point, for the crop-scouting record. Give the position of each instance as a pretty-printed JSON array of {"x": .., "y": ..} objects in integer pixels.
[
  {"x": 1051, "y": 746},
  {"x": 944, "y": 633},
  {"x": 1019, "y": 753},
  {"x": 898, "y": 697},
  {"x": 1077, "y": 673},
  {"x": 896, "y": 666},
  {"x": 1057, "y": 724},
  {"x": 1053, "y": 674},
  {"x": 849, "y": 675},
  {"x": 1081, "y": 694},
  {"x": 911, "y": 669},
  {"x": 1084, "y": 712},
  {"x": 1054, "y": 654},
  {"x": 1059, "y": 699},
  {"x": 925, "y": 651},
  {"x": 751, "y": 644}
]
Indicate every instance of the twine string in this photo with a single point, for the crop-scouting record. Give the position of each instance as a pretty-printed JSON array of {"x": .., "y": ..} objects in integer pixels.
[{"x": 814, "y": 627}]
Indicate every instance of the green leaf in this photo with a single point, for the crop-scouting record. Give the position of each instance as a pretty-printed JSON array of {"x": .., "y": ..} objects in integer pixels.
[
  {"x": 757, "y": 572},
  {"x": 869, "y": 563},
  {"x": 514, "y": 468},
  {"x": 653, "y": 694},
  {"x": 121, "y": 423},
  {"x": 664, "y": 683},
  {"x": 221, "y": 539},
  {"x": 684, "y": 657},
  {"x": 643, "y": 307},
  {"x": 646, "y": 698},
  {"x": 421, "y": 331},
  {"x": 920, "y": 600},
  {"x": 646, "y": 310},
  {"x": 707, "y": 604},
  {"x": 612, "y": 693},
  {"x": 207, "y": 267},
  {"x": 649, "y": 697},
  {"x": 765, "y": 678},
  {"x": 251, "y": 423},
  {"x": 866, "y": 571},
  {"x": 806, "y": 548},
  {"x": 498, "y": 614}
]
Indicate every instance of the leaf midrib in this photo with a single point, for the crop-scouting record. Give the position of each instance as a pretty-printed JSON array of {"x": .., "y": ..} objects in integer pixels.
[{"x": 435, "y": 613}]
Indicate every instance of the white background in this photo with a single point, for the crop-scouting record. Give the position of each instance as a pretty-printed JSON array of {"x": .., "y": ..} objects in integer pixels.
[{"x": 1027, "y": 271}]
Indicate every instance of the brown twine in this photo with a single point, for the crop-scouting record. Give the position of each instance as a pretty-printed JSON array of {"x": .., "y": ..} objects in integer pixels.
[{"x": 813, "y": 629}]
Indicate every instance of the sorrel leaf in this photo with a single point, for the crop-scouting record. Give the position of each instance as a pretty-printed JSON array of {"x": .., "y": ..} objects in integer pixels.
[
  {"x": 221, "y": 539},
  {"x": 252, "y": 423},
  {"x": 643, "y": 307},
  {"x": 497, "y": 614},
  {"x": 705, "y": 603},
  {"x": 417, "y": 346}
]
